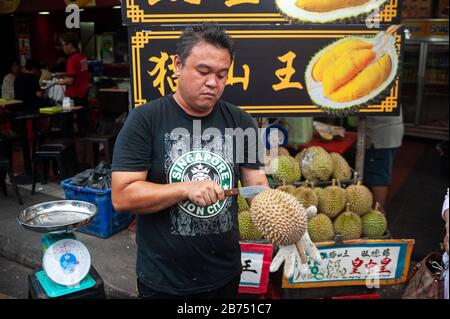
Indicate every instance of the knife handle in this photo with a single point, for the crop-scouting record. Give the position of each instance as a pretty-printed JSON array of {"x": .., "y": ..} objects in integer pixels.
[{"x": 231, "y": 192}]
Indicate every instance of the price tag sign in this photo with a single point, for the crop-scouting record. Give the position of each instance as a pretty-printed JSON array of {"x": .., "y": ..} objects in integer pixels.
[
  {"x": 357, "y": 263},
  {"x": 256, "y": 259}
]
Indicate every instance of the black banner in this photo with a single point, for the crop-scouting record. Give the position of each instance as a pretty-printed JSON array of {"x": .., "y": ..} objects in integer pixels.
[
  {"x": 169, "y": 12},
  {"x": 268, "y": 76}
]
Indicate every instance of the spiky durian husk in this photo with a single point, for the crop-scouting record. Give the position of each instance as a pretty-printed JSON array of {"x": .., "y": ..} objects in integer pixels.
[
  {"x": 320, "y": 228},
  {"x": 306, "y": 196},
  {"x": 349, "y": 225},
  {"x": 316, "y": 164},
  {"x": 341, "y": 168},
  {"x": 247, "y": 229},
  {"x": 279, "y": 217},
  {"x": 356, "y": 18},
  {"x": 374, "y": 224},
  {"x": 290, "y": 189},
  {"x": 285, "y": 170},
  {"x": 332, "y": 201},
  {"x": 359, "y": 198}
]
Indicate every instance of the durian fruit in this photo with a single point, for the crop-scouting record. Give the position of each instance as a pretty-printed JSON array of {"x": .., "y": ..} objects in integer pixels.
[
  {"x": 306, "y": 196},
  {"x": 279, "y": 217},
  {"x": 326, "y": 11},
  {"x": 353, "y": 73},
  {"x": 348, "y": 224},
  {"x": 332, "y": 200},
  {"x": 374, "y": 223},
  {"x": 285, "y": 170},
  {"x": 247, "y": 229},
  {"x": 320, "y": 228},
  {"x": 290, "y": 189},
  {"x": 316, "y": 164},
  {"x": 359, "y": 198},
  {"x": 242, "y": 204},
  {"x": 341, "y": 168},
  {"x": 318, "y": 191}
]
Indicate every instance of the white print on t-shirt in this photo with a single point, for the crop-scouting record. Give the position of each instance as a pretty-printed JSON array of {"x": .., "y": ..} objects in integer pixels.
[{"x": 184, "y": 165}]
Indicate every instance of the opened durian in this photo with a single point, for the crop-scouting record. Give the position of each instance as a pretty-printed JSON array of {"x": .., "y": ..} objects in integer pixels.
[
  {"x": 325, "y": 11},
  {"x": 374, "y": 223},
  {"x": 352, "y": 73},
  {"x": 279, "y": 217},
  {"x": 348, "y": 224}
]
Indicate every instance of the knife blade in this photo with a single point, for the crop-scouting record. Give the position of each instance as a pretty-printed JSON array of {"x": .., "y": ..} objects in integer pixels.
[{"x": 246, "y": 192}]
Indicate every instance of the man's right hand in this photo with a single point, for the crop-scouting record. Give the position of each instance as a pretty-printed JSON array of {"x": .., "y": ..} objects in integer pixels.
[{"x": 204, "y": 193}]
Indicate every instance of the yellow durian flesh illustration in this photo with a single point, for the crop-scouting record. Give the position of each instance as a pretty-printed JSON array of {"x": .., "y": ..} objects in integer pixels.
[
  {"x": 334, "y": 54},
  {"x": 365, "y": 82},
  {"x": 346, "y": 68},
  {"x": 327, "y": 5}
]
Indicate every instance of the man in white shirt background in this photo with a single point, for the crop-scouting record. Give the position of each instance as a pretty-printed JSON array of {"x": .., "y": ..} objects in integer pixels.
[{"x": 8, "y": 81}]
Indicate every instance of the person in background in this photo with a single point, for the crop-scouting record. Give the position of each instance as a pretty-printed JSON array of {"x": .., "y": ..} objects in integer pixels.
[
  {"x": 27, "y": 88},
  {"x": 445, "y": 256},
  {"x": 384, "y": 135},
  {"x": 8, "y": 81},
  {"x": 76, "y": 79}
]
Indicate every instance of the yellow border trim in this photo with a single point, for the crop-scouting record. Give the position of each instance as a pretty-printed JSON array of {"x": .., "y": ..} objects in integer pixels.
[
  {"x": 142, "y": 38},
  {"x": 402, "y": 279},
  {"x": 137, "y": 15}
]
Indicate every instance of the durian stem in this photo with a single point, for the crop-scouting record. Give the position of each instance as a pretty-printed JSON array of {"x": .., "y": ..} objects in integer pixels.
[
  {"x": 359, "y": 183},
  {"x": 301, "y": 252},
  {"x": 377, "y": 206}
]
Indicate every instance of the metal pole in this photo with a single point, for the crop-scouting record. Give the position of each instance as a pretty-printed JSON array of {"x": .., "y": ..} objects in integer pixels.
[{"x": 360, "y": 147}]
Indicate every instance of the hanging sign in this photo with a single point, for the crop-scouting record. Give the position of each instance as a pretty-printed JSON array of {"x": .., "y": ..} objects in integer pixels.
[
  {"x": 285, "y": 70},
  {"x": 157, "y": 12},
  {"x": 256, "y": 259},
  {"x": 368, "y": 263}
]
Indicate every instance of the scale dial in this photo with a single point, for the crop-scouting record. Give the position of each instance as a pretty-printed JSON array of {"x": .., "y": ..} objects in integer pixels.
[{"x": 67, "y": 262}]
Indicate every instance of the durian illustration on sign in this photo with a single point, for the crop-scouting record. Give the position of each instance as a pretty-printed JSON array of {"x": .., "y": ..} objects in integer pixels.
[
  {"x": 329, "y": 11},
  {"x": 352, "y": 73}
]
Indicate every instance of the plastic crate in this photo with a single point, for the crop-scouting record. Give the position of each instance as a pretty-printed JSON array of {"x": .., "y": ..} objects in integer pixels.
[{"x": 107, "y": 221}]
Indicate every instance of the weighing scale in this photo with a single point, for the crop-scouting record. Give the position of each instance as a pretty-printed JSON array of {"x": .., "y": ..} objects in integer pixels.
[{"x": 66, "y": 261}]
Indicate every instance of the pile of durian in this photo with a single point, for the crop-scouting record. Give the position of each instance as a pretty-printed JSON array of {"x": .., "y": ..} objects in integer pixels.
[
  {"x": 347, "y": 212},
  {"x": 341, "y": 211},
  {"x": 313, "y": 164}
]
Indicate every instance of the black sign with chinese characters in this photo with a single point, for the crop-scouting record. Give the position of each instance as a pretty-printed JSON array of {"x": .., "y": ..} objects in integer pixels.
[
  {"x": 159, "y": 12},
  {"x": 267, "y": 77}
]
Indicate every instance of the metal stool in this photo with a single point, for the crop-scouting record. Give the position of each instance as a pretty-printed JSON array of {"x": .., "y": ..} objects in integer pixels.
[
  {"x": 44, "y": 154},
  {"x": 5, "y": 166}
]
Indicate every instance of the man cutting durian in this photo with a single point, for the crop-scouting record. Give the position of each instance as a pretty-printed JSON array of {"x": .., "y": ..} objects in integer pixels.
[{"x": 172, "y": 161}]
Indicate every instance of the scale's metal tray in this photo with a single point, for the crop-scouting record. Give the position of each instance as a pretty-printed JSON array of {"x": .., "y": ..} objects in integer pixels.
[{"x": 57, "y": 216}]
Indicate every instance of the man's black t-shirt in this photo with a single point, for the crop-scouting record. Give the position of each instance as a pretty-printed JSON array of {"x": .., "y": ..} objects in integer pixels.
[
  {"x": 25, "y": 88},
  {"x": 188, "y": 249}
]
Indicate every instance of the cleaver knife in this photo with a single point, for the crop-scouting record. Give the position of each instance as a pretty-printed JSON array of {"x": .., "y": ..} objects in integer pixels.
[{"x": 247, "y": 192}]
